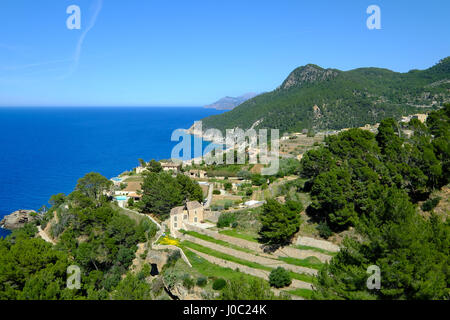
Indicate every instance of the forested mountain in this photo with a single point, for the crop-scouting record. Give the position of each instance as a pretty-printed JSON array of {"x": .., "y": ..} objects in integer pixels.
[
  {"x": 316, "y": 98},
  {"x": 374, "y": 184}
]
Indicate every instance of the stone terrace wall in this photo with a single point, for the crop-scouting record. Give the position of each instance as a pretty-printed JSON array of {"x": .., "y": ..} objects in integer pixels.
[
  {"x": 282, "y": 252},
  {"x": 251, "y": 271},
  {"x": 271, "y": 263}
]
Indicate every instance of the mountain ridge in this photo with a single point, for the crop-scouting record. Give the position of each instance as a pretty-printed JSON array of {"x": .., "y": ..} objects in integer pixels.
[
  {"x": 312, "y": 97},
  {"x": 229, "y": 103}
]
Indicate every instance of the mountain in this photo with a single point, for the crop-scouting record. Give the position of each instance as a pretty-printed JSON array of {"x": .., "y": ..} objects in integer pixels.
[
  {"x": 315, "y": 98},
  {"x": 229, "y": 103}
]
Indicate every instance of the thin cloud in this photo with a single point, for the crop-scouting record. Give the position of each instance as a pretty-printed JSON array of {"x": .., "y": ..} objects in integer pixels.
[
  {"x": 34, "y": 65},
  {"x": 77, "y": 54},
  {"x": 97, "y": 7}
]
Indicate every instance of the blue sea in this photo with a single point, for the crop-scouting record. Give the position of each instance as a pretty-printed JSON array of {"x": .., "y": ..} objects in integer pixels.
[{"x": 44, "y": 151}]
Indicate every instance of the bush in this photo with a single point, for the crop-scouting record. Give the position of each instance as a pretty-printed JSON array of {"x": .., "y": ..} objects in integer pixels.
[
  {"x": 219, "y": 284},
  {"x": 279, "y": 278},
  {"x": 216, "y": 192},
  {"x": 225, "y": 220},
  {"x": 228, "y": 204},
  {"x": 430, "y": 204},
  {"x": 202, "y": 281},
  {"x": 324, "y": 230},
  {"x": 234, "y": 225},
  {"x": 188, "y": 283}
]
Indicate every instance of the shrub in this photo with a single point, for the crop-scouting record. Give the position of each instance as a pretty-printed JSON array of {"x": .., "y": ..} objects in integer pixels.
[
  {"x": 219, "y": 284},
  {"x": 324, "y": 230},
  {"x": 188, "y": 283},
  {"x": 225, "y": 220},
  {"x": 216, "y": 192},
  {"x": 228, "y": 204},
  {"x": 279, "y": 278},
  {"x": 430, "y": 204},
  {"x": 202, "y": 281},
  {"x": 234, "y": 225}
]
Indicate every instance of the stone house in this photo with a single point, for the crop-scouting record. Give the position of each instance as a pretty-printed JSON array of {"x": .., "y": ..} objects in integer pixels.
[
  {"x": 196, "y": 174},
  {"x": 140, "y": 170},
  {"x": 169, "y": 166},
  {"x": 191, "y": 212}
]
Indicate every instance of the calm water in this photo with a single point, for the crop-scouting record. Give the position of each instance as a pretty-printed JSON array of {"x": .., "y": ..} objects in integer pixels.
[{"x": 44, "y": 151}]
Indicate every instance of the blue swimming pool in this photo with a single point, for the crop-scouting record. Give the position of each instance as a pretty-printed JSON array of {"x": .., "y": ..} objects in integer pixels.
[
  {"x": 116, "y": 179},
  {"x": 121, "y": 198}
]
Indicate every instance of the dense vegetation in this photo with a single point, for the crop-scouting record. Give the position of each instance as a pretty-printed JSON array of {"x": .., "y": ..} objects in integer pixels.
[
  {"x": 343, "y": 99},
  {"x": 162, "y": 192},
  {"x": 280, "y": 278},
  {"x": 255, "y": 289},
  {"x": 372, "y": 183},
  {"x": 91, "y": 234},
  {"x": 351, "y": 173},
  {"x": 279, "y": 221}
]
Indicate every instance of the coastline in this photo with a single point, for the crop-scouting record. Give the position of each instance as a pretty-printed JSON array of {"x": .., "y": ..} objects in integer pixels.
[{"x": 59, "y": 140}]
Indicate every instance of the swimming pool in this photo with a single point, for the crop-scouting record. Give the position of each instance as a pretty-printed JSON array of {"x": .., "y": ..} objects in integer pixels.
[
  {"x": 121, "y": 198},
  {"x": 116, "y": 179}
]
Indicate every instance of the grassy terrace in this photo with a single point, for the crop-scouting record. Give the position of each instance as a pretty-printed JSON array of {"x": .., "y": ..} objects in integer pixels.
[
  {"x": 304, "y": 293},
  {"x": 315, "y": 249},
  {"x": 220, "y": 255},
  {"x": 254, "y": 238},
  {"x": 212, "y": 270},
  {"x": 216, "y": 241},
  {"x": 236, "y": 234},
  {"x": 310, "y": 262}
]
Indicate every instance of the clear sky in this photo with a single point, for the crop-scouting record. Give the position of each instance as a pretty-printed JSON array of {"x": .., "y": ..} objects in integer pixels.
[{"x": 193, "y": 52}]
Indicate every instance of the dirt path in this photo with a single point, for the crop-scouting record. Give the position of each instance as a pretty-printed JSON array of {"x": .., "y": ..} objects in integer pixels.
[{"x": 44, "y": 235}]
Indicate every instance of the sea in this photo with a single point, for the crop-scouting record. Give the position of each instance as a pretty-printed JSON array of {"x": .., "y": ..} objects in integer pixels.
[{"x": 45, "y": 150}]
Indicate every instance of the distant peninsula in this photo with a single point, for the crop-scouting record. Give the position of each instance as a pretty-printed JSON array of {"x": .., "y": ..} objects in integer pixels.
[{"x": 229, "y": 103}]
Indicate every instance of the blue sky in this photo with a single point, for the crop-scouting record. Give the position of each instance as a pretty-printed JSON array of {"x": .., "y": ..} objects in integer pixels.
[{"x": 193, "y": 52}]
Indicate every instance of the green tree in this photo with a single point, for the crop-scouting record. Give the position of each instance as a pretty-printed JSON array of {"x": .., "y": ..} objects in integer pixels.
[
  {"x": 160, "y": 193},
  {"x": 93, "y": 185},
  {"x": 278, "y": 222},
  {"x": 154, "y": 166},
  {"x": 142, "y": 163},
  {"x": 244, "y": 289},
  {"x": 131, "y": 288},
  {"x": 190, "y": 189},
  {"x": 412, "y": 253},
  {"x": 280, "y": 278}
]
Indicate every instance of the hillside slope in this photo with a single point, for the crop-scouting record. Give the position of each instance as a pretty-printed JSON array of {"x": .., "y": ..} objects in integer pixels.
[{"x": 317, "y": 98}]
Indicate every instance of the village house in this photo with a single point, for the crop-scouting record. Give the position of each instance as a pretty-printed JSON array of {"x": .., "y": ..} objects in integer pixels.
[
  {"x": 140, "y": 170},
  {"x": 169, "y": 166},
  {"x": 132, "y": 190},
  {"x": 191, "y": 212},
  {"x": 196, "y": 174}
]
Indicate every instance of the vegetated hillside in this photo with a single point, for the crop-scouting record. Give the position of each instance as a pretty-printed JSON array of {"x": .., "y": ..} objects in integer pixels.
[{"x": 316, "y": 98}]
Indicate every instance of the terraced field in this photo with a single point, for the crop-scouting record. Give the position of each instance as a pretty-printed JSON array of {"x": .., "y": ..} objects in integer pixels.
[{"x": 249, "y": 257}]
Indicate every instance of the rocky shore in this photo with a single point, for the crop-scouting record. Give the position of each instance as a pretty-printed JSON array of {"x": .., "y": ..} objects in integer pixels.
[{"x": 18, "y": 219}]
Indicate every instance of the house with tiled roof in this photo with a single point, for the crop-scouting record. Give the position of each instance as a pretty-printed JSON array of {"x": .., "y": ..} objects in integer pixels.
[{"x": 190, "y": 213}]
